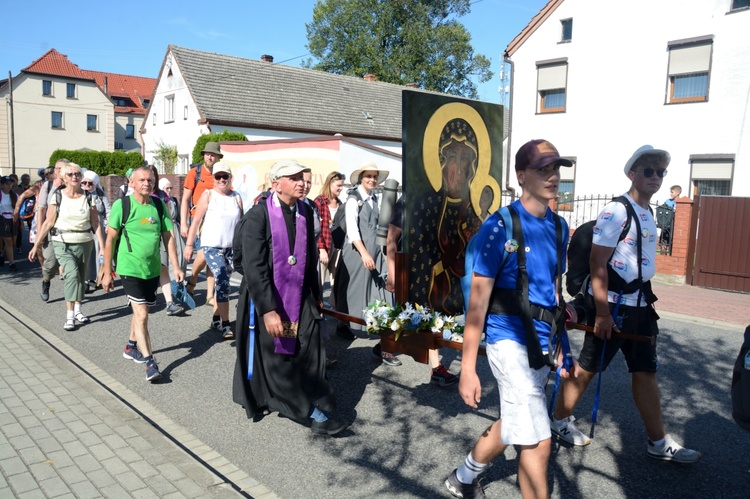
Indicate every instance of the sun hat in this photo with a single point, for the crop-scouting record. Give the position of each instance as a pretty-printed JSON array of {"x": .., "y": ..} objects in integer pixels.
[
  {"x": 662, "y": 156},
  {"x": 539, "y": 153},
  {"x": 213, "y": 148},
  {"x": 286, "y": 168},
  {"x": 382, "y": 174}
]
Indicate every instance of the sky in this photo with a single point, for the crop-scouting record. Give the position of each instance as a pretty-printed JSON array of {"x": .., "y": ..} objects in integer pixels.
[{"x": 132, "y": 37}]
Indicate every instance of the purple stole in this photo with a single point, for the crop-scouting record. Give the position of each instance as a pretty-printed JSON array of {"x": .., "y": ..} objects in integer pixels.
[{"x": 288, "y": 271}]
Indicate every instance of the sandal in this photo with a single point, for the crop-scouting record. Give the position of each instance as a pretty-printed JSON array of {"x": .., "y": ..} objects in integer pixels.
[
  {"x": 70, "y": 325},
  {"x": 82, "y": 318},
  {"x": 190, "y": 288}
]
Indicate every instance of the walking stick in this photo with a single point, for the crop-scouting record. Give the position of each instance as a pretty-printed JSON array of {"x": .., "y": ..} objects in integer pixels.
[{"x": 251, "y": 341}]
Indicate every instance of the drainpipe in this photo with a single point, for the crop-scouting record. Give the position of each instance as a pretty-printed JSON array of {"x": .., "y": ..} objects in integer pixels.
[
  {"x": 508, "y": 188},
  {"x": 12, "y": 127}
]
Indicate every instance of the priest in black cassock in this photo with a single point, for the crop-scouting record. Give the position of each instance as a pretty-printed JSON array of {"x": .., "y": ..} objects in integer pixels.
[{"x": 280, "y": 350}]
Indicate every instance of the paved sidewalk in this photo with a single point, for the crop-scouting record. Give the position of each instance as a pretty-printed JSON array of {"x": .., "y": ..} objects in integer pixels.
[
  {"x": 707, "y": 306},
  {"x": 67, "y": 429}
]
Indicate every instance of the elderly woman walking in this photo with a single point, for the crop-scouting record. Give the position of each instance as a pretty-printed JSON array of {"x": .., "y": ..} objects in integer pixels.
[
  {"x": 91, "y": 183},
  {"x": 163, "y": 191},
  {"x": 71, "y": 219},
  {"x": 217, "y": 213}
]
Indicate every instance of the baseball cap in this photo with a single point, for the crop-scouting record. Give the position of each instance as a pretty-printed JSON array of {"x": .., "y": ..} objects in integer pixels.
[
  {"x": 538, "y": 154},
  {"x": 221, "y": 167},
  {"x": 286, "y": 168}
]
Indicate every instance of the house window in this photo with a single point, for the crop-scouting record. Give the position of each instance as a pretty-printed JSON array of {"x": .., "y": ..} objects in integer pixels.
[
  {"x": 740, "y": 4},
  {"x": 169, "y": 109},
  {"x": 119, "y": 146},
  {"x": 689, "y": 69},
  {"x": 129, "y": 131},
  {"x": 552, "y": 84},
  {"x": 71, "y": 90},
  {"x": 566, "y": 191},
  {"x": 57, "y": 119},
  {"x": 154, "y": 120},
  {"x": 91, "y": 123},
  {"x": 567, "y": 30},
  {"x": 146, "y": 102},
  {"x": 46, "y": 87},
  {"x": 118, "y": 101},
  {"x": 185, "y": 113},
  {"x": 712, "y": 175}
]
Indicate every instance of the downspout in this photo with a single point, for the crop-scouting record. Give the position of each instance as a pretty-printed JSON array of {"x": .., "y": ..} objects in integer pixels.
[{"x": 508, "y": 149}]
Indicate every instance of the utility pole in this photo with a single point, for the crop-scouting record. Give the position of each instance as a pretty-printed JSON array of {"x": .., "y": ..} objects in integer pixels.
[{"x": 12, "y": 129}]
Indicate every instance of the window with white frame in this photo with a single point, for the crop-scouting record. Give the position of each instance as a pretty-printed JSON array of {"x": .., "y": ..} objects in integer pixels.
[
  {"x": 57, "y": 119},
  {"x": 567, "y": 30},
  {"x": 129, "y": 131},
  {"x": 169, "y": 109},
  {"x": 689, "y": 70},
  {"x": 552, "y": 82},
  {"x": 71, "y": 90},
  {"x": 712, "y": 174},
  {"x": 92, "y": 122},
  {"x": 566, "y": 191},
  {"x": 47, "y": 88}
]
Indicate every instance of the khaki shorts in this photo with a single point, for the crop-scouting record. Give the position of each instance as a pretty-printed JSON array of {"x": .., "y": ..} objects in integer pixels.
[{"x": 523, "y": 404}]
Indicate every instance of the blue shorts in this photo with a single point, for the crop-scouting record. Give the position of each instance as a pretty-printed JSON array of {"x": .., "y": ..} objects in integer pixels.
[{"x": 219, "y": 260}]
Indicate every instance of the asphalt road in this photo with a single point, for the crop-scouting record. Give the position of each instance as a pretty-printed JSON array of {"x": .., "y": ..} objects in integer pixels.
[{"x": 407, "y": 435}]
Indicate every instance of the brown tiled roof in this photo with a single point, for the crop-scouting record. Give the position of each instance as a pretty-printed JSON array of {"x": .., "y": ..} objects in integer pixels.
[
  {"x": 535, "y": 22},
  {"x": 134, "y": 88},
  {"x": 234, "y": 91}
]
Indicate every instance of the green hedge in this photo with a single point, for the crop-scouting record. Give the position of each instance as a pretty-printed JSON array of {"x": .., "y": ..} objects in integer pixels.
[
  {"x": 102, "y": 162},
  {"x": 200, "y": 144}
]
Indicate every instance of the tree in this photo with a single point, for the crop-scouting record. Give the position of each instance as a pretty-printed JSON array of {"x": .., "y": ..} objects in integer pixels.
[
  {"x": 165, "y": 156},
  {"x": 399, "y": 41}
]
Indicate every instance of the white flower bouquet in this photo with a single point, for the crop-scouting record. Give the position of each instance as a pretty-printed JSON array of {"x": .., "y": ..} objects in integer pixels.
[{"x": 408, "y": 319}]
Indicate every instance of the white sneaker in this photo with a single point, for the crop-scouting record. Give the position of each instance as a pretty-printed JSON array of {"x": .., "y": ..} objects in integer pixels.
[
  {"x": 566, "y": 430},
  {"x": 672, "y": 451}
]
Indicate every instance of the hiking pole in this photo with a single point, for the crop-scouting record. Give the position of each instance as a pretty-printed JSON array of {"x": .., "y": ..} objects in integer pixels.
[
  {"x": 595, "y": 410},
  {"x": 625, "y": 336}
]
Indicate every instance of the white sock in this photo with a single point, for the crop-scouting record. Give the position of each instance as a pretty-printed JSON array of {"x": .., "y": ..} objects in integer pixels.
[
  {"x": 69, "y": 314},
  {"x": 658, "y": 443},
  {"x": 470, "y": 470},
  {"x": 76, "y": 309}
]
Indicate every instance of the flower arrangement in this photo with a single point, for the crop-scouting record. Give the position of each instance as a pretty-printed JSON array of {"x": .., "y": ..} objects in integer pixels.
[{"x": 408, "y": 319}]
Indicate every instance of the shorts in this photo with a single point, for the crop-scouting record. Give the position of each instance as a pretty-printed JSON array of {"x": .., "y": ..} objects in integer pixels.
[
  {"x": 8, "y": 228},
  {"x": 640, "y": 356},
  {"x": 523, "y": 404},
  {"x": 219, "y": 261},
  {"x": 140, "y": 291}
]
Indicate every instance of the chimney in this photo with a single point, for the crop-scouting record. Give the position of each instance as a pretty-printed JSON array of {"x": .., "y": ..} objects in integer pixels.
[
  {"x": 266, "y": 58},
  {"x": 370, "y": 77},
  {"x": 105, "y": 87}
]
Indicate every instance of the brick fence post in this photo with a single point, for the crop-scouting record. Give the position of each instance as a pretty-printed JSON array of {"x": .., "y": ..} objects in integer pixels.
[{"x": 675, "y": 265}]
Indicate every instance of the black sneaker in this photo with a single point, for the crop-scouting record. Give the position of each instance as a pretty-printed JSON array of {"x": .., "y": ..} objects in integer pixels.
[
  {"x": 386, "y": 358},
  {"x": 443, "y": 377},
  {"x": 152, "y": 372},
  {"x": 133, "y": 354},
  {"x": 45, "y": 290},
  {"x": 328, "y": 427},
  {"x": 462, "y": 490}
]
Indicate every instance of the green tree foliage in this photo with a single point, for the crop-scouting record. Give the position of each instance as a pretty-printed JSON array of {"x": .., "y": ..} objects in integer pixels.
[
  {"x": 225, "y": 136},
  {"x": 399, "y": 41},
  {"x": 165, "y": 156},
  {"x": 102, "y": 162}
]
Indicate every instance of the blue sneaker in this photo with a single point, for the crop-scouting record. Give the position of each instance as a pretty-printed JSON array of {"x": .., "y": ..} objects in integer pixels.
[
  {"x": 152, "y": 372},
  {"x": 133, "y": 354}
]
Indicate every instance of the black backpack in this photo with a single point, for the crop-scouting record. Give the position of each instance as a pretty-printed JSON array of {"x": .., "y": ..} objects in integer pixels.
[
  {"x": 158, "y": 203},
  {"x": 579, "y": 254},
  {"x": 741, "y": 385},
  {"x": 338, "y": 226}
]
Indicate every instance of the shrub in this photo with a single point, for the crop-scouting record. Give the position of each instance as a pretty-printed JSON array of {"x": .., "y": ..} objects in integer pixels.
[
  {"x": 102, "y": 162},
  {"x": 200, "y": 144}
]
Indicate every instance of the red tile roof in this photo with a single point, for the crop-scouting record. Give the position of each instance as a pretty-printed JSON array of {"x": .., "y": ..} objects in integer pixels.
[{"x": 134, "y": 88}]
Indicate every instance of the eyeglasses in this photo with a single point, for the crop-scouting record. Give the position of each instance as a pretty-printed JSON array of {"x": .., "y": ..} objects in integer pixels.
[
  {"x": 73, "y": 174},
  {"x": 87, "y": 182},
  {"x": 649, "y": 172},
  {"x": 221, "y": 176}
]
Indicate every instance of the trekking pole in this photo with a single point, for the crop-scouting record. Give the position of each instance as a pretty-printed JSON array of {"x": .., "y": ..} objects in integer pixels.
[
  {"x": 595, "y": 410},
  {"x": 251, "y": 341},
  {"x": 567, "y": 364}
]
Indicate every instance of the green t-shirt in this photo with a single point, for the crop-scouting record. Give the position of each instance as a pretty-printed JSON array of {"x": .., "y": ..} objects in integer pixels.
[{"x": 144, "y": 232}]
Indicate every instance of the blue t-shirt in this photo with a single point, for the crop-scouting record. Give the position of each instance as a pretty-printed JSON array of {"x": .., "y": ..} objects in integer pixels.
[{"x": 541, "y": 263}]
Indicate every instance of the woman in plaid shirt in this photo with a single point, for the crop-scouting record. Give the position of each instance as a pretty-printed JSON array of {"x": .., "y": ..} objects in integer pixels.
[{"x": 328, "y": 203}]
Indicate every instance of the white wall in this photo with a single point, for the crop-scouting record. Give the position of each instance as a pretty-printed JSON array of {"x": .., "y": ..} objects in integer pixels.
[{"x": 617, "y": 84}]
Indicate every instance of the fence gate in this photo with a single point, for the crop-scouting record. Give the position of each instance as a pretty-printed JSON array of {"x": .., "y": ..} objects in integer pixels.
[{"x": 722, "y": 251}]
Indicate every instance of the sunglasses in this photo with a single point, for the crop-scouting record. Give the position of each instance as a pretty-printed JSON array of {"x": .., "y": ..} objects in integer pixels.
[
  {"x": 73, "y": 174},
  {"x": 221, "y": 176},
  {"x": 649, "y": 172},
  {"x": 338, "y": 176},
  {"x": 87, "y": 182}
]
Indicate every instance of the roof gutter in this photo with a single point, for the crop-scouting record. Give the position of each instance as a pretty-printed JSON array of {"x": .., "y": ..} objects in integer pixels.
[{"x": 508, "y": 149}]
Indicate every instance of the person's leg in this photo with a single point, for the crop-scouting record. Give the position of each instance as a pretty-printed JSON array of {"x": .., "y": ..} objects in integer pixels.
[
  {"x": 8, "y": 249},
  {"x": 571, "y": 391},
  {"x": 647, "y": 400},
  {"x": 165, "y": 283},
  {"x": 139, "y": 328},
  {"x": 533, "y": 463}
]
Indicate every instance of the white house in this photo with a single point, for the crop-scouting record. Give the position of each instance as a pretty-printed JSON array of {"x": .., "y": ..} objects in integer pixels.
[
  {"x": 202, "y": 92},
  {"x": 599, "y": 79}
]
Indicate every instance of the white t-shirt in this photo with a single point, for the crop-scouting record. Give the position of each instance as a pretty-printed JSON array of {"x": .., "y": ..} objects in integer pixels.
[{"x": 624, "y": 261}]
